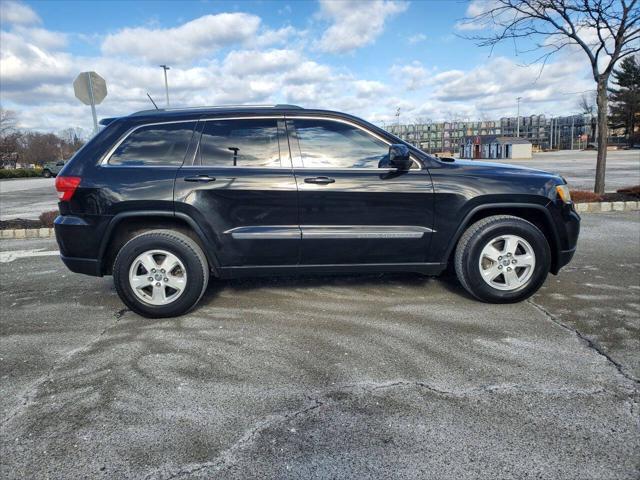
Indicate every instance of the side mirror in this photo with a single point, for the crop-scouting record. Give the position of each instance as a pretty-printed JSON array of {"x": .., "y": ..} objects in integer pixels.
[{"x": 399, "y": 157}]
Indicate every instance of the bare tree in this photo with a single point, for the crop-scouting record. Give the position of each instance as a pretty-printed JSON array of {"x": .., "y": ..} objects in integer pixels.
[
  {"x": 587, "y": 105},
  {"x": 7, "y": 122},
  {"x": 606, "y": 30}
]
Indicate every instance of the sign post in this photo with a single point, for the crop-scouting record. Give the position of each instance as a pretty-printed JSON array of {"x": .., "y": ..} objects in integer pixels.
[{"x": 90, "y": 88}]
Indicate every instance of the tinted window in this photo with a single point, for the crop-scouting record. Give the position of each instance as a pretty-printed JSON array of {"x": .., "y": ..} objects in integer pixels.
[
  {"x": 242, "y": 143},
  {"x": 327, "y": 144},
  {"x": 155, "y": 145}
]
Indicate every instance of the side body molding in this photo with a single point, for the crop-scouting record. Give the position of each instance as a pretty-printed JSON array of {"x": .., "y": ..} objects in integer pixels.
[{"x": 271, "y": 232}]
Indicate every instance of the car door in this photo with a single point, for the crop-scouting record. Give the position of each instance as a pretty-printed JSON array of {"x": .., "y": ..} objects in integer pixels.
[
  {"x": 351, "y": 210},
  {"x": 239, "y": 186}
]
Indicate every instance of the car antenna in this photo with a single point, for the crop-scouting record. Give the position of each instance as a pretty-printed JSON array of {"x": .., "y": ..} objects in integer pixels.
[{"x": 154, "y": 103}]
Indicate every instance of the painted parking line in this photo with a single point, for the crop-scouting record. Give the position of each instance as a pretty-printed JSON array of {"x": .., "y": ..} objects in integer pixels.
[{"x": 12, "y": 255}]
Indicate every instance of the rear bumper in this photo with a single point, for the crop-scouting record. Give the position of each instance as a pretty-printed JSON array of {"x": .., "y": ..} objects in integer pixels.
[
  {"x": 79, "y": 242},
  {"x": 87, "y": 266}
]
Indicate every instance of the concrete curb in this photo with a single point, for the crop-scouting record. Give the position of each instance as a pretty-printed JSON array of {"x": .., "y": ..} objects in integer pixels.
[
  {"x": 591, "y": 207},
  {"x": 28, "y": 233},
  {"x": 597, "y": 207}
]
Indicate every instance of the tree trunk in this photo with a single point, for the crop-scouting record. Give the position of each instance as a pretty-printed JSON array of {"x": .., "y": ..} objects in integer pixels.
[{"x": 603, "y": 108}]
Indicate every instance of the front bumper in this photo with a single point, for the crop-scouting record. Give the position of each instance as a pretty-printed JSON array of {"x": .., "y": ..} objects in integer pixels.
[{"x": 568, "y": 228}]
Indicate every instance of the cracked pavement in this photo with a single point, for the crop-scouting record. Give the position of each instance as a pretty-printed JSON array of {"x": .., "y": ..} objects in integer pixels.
[{"x": 390, "y": 376}]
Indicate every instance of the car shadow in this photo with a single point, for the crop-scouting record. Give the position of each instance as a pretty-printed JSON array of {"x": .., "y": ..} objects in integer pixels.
[{"x": 448, "y": 281}]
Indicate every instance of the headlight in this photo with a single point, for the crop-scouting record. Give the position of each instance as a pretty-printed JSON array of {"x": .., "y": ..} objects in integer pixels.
[{"x": 563, "y": 193}]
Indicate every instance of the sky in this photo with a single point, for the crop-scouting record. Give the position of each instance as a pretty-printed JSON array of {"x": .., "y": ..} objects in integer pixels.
[{"x": 367, "y": 58}]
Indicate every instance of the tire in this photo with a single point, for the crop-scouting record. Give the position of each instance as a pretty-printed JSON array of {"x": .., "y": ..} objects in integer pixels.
[
  {"x": 492, "y": 270},
  {"x": 46, "y": 174},
  {"x": 158, "y": 298}
]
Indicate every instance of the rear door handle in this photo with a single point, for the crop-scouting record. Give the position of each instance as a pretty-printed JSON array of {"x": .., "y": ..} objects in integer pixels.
[
  {"x": 319, "y": 180},
  {"x": 200, "y": 178}
]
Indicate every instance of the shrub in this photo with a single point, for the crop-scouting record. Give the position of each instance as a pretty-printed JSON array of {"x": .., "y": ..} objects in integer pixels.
[
  {"x": 633, "y": 191},
  {"x": 583, "y": 196},
  {"x": 20, "y": 172},
  {"x": 47, "y": 218}
]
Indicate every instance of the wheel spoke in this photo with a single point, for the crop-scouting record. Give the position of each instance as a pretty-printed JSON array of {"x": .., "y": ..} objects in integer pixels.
[
  {"x": 492, "y": 253},
  {"x": 511, "y": 278},
  {"x": 525, "y": 260},
  {"x": 169, "y": 263},
  {"x": 510, "y": 245},
  {"x": 175, "y": 282},
  {"x": 491, "y": 273},
  {"x": 159, "y": 294},
  {"x": 148, "y": 262},
  {"x": 140, "y": 281}
]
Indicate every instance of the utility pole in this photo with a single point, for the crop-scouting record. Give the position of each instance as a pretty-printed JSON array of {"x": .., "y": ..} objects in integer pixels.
[
  {"x": 398, "y": 116},
  {"x": 551, "y": 135},
  {"x": 166, "y": 83},
  {"x": 518, "y": 119}
]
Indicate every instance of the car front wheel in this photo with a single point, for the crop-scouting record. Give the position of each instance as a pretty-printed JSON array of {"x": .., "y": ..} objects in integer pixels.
[
  {"x": 160, "y": 273},
  {"x": 502, "y": 259},
  {"x": 46, "y": 174}
]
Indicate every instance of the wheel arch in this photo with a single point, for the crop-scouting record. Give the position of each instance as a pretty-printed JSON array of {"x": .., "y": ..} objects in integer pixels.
[
  {"x": 537, "y": 214},
  {"x": 126, "y": 225}
]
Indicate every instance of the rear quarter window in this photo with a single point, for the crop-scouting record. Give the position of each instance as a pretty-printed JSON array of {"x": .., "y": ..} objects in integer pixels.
[{"x": 156, "y": 145}]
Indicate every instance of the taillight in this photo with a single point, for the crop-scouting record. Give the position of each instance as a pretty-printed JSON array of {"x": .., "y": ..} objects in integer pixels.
[{"x": 66, "y": 187}]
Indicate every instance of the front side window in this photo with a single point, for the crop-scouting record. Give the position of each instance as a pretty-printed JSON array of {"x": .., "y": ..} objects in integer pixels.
[
  {"x": 329, "y": 144},
  {"x": 240, "y": 143},
  {"x": 164, "y": 144}
]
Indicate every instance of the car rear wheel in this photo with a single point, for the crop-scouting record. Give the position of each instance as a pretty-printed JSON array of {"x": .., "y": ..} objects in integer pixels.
[
  {"x": 46, "y": 174},
  {"x": 502, "y": 259},
  {"x": 160, "y": 273}
]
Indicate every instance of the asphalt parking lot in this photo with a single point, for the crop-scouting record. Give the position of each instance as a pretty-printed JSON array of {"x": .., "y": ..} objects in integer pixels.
[
  {"x": 393, "y": 376},
  {"x": 29, "y": 197}
]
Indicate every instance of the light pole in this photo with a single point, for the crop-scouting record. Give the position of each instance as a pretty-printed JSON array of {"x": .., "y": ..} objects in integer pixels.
[
  {"x": 518, "y": 119},
  {"x": 166, "y": 83}
]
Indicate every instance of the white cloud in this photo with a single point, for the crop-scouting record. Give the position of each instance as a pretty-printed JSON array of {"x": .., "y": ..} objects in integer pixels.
[
  {"x": 24, "y": 64},
  {"x": 475, "y": 9},
  {"x": 37, "y": 75},
  {"x": 355, "y": 23},
  {"x": 413, "y": 76},
  {"x": 253, "y": 62},
  {"x": 17, "y": 13},
  {"x": 184, "y": 43},
  {"x": 42, "y": 38},
  {"x": 369, "y": 88},
  {"x": 417, "y": 38},
  {"x": 279, "y": 36}
]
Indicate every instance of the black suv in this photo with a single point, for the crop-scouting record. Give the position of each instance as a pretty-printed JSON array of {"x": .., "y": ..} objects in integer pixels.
[{"x": 163, "y": 199}]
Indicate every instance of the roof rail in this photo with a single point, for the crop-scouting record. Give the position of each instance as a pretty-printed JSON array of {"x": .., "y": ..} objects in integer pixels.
[{"x": 210, "y": 107}]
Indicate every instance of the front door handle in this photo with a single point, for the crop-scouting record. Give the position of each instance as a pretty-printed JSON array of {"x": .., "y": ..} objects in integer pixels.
[
  {"x": 319, "y": 180},
  {"x": 200, "y": 178}
]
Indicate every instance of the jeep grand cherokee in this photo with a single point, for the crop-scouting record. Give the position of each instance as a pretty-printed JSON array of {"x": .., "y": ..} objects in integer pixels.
[{"x": 165, "y": 199}]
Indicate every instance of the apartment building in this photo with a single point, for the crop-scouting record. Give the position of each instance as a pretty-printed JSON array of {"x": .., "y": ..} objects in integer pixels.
[{"x": 543, "y": 133}]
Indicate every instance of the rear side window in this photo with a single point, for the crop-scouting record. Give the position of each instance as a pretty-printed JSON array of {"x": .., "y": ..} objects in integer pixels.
[
  {"x": 164, "y": 144},
  {"x": 240, "y": 143}
]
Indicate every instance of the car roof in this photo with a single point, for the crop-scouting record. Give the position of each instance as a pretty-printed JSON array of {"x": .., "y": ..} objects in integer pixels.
[{"x": 195, "y": 113}]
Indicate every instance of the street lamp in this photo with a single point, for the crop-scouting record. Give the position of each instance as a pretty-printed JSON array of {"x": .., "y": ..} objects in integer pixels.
[
  {"x": 166, "y": 83},
  {"x": 518, "y": 119}
]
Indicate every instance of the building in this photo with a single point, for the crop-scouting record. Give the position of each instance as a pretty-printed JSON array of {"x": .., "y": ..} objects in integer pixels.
[
  {"x": 543, "y": 133},
  {"x": 494, "y": 146}
]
